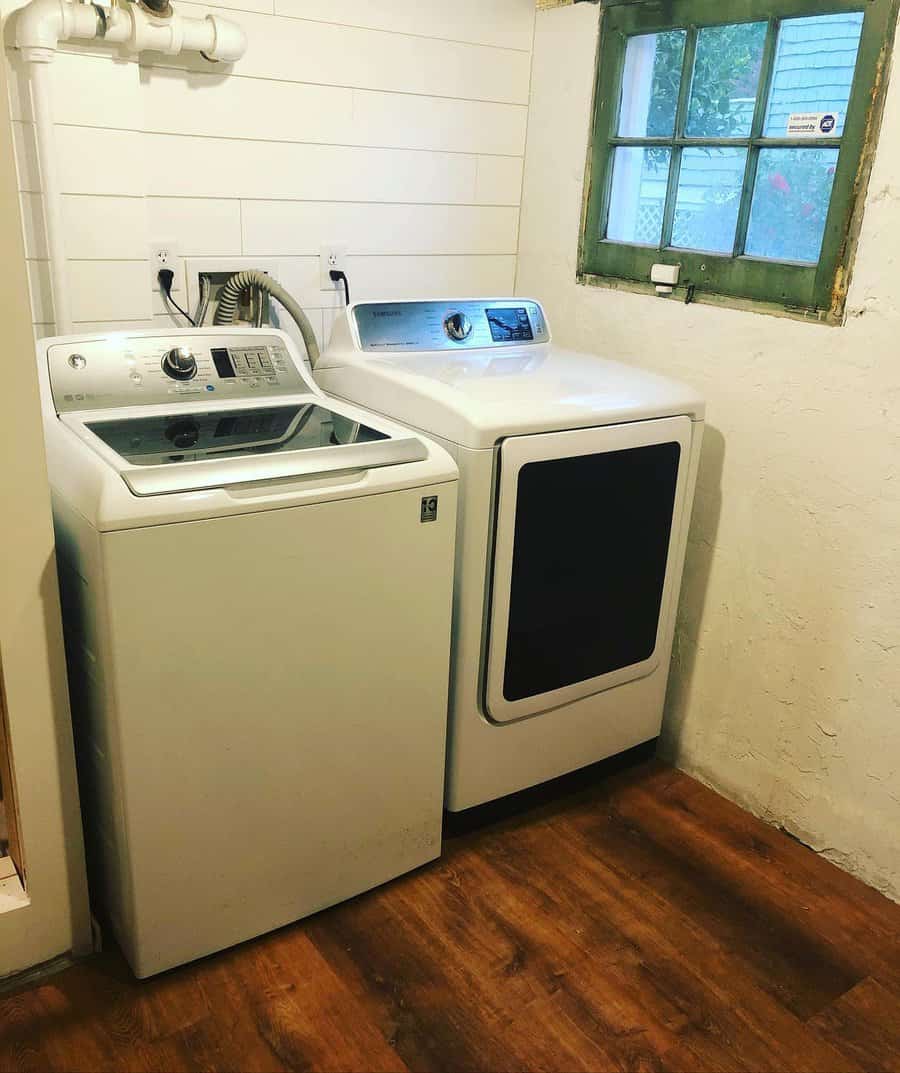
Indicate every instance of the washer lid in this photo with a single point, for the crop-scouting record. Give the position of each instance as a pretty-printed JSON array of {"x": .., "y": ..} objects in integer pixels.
[
  {"x": 161, "y": 450},
  {"x": 476, "y": 397}
]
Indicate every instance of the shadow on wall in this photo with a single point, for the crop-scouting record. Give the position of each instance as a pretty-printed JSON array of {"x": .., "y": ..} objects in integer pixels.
[
  {"x": 698, "y": 564},
  {"x": 72, "y": 820}
]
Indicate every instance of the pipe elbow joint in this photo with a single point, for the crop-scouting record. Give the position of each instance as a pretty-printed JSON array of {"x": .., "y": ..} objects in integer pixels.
[{"x": 40, "y": 25}]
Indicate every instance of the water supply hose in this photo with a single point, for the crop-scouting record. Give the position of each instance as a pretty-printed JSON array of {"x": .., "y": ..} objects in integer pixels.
[
  {"x": 203, "y": 302},
  {"x": 241, "y": 282}
]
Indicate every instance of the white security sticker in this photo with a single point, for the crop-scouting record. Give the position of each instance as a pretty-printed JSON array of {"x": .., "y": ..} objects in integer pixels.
[{"x": 811, "y": 124}]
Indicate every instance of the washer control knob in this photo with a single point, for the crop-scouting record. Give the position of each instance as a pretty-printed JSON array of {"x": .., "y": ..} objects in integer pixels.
[
  {"x": 179, "y": 363},
  {"x": 183, "y": 432},
  {"x": 457, "y": 326}
]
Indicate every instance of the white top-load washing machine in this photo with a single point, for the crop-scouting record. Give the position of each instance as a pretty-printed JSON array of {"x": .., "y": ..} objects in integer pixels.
[
  {"x": 576, "y": 481},
  {"x": 257, "y": 590}
]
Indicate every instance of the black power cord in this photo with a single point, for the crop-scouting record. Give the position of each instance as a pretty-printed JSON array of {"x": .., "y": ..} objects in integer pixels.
[
  {"x": 336, "y": 274},
  {"x": 166, "y": 277}
]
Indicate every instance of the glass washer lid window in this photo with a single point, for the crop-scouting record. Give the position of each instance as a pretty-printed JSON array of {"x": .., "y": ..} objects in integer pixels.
[{"x": 194, "y": 437}]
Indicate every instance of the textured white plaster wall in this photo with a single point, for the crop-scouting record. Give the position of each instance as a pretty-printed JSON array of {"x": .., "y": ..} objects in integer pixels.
[{"x": 786, "y": 677}]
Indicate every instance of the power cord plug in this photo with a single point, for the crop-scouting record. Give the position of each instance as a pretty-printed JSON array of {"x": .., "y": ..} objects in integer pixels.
[
  {"x": 336, "y": 274},
  {"x": 166, "y": 277}
]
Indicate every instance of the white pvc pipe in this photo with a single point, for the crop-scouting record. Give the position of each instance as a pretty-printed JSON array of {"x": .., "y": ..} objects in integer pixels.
[
  {"x": 43, "y": 24},
  {"x": 40, "y": 27},
  {"x": 42, "y": 106}
]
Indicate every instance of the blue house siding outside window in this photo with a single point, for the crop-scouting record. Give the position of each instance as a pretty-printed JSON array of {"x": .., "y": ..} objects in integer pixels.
[{"x": 710, "y": 178}]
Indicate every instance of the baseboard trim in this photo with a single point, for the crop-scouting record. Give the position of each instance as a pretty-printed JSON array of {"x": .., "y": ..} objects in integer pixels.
[{"x": 28, "y": 978}]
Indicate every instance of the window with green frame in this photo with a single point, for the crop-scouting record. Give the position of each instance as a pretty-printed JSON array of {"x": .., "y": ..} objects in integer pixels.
[{"x": 730, "y": 138}]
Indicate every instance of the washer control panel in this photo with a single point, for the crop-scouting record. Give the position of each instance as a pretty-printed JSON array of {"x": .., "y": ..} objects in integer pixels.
[
  {"x": 149, "y": 369},
  {"x": 449, "y": 325}
]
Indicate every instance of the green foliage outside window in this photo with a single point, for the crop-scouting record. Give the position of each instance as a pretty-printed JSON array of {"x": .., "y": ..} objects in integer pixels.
[{"x": 711, "y": 175}]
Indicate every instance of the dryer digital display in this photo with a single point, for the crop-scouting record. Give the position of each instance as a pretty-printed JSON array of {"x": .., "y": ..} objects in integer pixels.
[
  {"x": 395, "y": 327},
  {"x": 509, "y": 325}
]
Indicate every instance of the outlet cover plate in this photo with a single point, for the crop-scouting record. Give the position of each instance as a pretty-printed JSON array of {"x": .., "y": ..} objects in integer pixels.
[
  {"x": 165, "y": 254},
  {"x": 331, "y": 256}
]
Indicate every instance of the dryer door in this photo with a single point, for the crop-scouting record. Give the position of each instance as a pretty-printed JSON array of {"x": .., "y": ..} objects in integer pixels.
[{"x": 584, "y": 581}]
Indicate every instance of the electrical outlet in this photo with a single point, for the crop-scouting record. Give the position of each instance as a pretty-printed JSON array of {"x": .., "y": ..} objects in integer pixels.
[
  {"x": 332, "y": 257},
  {"x": 164, "y": 255}
]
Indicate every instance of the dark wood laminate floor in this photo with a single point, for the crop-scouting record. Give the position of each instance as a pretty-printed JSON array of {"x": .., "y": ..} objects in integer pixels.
[{"x": 644, "y": 924}]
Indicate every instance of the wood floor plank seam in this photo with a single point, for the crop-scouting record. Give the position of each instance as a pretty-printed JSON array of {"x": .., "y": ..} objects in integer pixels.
[{"x": 642, "y": 923}]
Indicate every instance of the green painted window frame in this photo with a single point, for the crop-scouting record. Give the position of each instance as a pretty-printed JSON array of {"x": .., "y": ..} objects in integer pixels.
[{"x": 816, "y": 290}]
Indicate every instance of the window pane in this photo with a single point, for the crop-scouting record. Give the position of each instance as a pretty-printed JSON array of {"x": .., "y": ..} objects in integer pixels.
[
  {"x": 790, "y": 203},
  {"x": 708, "y": 199},
  {"x": 814, "y": 64},
  {"x": 725, "y": 80},
  {"x": 650, "y": 82},
  {"x": 638, "y": 195}
]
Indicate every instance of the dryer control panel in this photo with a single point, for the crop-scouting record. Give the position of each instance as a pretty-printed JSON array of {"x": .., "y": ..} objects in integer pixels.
[
  {"x": 448, "y": 324},
  {"x": 149, "y": 369}
]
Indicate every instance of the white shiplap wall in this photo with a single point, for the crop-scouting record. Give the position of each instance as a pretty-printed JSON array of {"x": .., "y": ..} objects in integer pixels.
[{"x": 395, "y": 126}]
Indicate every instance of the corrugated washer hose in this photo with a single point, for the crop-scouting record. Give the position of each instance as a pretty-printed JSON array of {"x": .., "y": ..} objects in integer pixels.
[{"x": 230, "y": 295}]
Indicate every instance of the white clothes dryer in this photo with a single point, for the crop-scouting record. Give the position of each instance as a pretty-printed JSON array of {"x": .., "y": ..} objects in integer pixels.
[
  {"x": 256, "y": 587},
  {"x": 576, "y": 481}
]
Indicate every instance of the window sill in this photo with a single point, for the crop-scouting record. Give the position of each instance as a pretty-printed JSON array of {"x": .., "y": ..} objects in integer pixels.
[{"x": 826, "y": 317}]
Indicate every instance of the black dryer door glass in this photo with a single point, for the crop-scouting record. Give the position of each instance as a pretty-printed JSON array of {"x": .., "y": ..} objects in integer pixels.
[{"x": 589, "y": 564}]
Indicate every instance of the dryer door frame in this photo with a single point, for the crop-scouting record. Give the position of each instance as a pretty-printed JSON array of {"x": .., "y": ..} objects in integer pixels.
[{"x": 514, "y": 454}]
